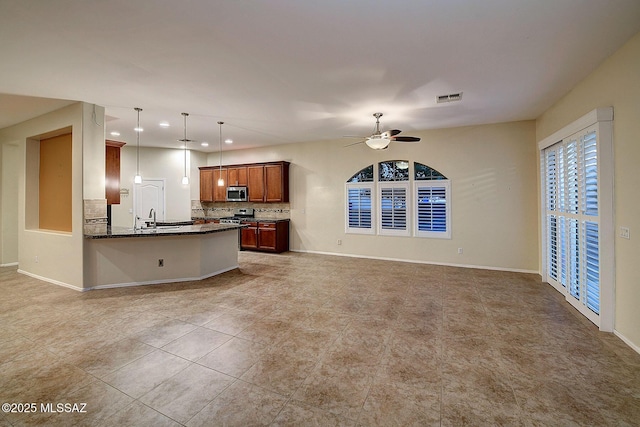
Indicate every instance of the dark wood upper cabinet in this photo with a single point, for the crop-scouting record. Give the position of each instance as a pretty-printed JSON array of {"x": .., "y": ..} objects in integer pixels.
[
  {"x": 276, "y": 182},
  {"x": 206, "y": 185},
  {"x": 256, "y": 183},
  {"x": 238, "y": 176},
  {"x": 112, "y": 171},
  {"x": 266, "y": 182},
  {"x": 220, "y": 191}
]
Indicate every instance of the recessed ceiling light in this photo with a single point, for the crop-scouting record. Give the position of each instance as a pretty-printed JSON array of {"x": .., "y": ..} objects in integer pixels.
[
  {"x": 204, "y": 144},
  {"x": 228, "y": 141},
  {"x": 114, "y": 133},
  {"x": 164, "y": 124},
  {"x": 138, "y": 129}
]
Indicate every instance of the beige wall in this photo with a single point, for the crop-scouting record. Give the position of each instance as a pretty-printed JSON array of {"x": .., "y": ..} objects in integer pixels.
[
  {"x": 56, "y": 257},
  {"x": 8, "y": 204},
  {"x": 492, "y": 169},
  {"x": 615, "y": 83}
]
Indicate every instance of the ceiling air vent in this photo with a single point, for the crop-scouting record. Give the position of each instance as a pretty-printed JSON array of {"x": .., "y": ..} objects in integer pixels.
[{"x": 449, "y": 98}]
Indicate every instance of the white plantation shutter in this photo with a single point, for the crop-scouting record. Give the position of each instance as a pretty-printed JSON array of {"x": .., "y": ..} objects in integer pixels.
[
  {"x": 571, "y": 172},
  {"x": 378, "y": 201},
  {"x": 574, "y": 258},
  {"x": 573, "y": 241},
  {"x": 552, "y": 179},
  {"x": 592, "y": 265},
  {"x": 552, "y": 240},
  {"x": 590, "y": 167},
  {"x": 577, "y": 200},
  {"x": 393, "y": 198},
  {"x": 432, "y": 209},
  {"x": 551, "y": 187},
  {"x": 360, "y": 208}
]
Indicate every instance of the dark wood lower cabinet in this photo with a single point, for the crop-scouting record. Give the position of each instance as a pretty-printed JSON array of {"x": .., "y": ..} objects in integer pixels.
[
  {"x": 268, "y": 236},
  {"x": 249, "y": 239}
]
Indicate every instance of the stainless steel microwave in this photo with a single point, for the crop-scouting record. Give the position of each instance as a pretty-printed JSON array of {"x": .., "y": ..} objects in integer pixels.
[{"x": 236, "y": 194}]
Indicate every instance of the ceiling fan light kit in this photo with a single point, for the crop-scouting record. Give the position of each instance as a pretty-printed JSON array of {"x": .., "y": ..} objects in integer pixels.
[
  {"x": 380, "y": 140},
  {"x": 377, "y": 142}
]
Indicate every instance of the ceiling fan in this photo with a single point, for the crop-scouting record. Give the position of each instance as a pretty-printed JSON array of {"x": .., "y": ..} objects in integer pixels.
[{"x": 380, "y": 140}]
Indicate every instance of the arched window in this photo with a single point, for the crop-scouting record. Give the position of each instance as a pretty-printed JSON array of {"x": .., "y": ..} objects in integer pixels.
[{"x": 381, "y": 201}]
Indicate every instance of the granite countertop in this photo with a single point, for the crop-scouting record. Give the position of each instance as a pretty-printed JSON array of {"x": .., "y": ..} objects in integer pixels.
[
  {"x": 173, "y": 230},
  {"x": 197, "y": 218}
]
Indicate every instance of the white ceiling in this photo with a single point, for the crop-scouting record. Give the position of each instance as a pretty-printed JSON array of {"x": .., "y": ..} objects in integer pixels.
[{"x": 285, "y": 71}]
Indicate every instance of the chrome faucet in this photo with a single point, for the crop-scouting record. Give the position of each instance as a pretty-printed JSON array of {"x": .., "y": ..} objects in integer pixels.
[{"x": 152, "y": 213}]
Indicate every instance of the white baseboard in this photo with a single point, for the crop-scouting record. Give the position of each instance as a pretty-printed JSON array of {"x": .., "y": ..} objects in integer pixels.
[
  {"x": 9, "y": 264},
  {"x": 412, "y": 261},
  {"x": 627, "y": 341},
  {"x": 124, "y": 285},
  {"x": 55, "y": 282},
  {"x": 160, "y": 282}
]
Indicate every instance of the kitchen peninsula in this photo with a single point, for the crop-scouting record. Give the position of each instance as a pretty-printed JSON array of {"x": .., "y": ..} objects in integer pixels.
[{"x": 128, "y": 257}]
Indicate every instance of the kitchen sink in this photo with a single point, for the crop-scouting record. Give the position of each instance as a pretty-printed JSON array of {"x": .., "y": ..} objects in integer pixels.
[{"x": 162, "y": 227}]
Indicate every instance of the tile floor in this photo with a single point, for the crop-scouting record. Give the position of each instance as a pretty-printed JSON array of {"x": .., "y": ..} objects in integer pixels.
[{"x": 300, "y": 339}]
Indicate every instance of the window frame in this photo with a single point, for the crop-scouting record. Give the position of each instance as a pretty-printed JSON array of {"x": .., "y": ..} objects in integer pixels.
[
  {"x": 602, "y": 119},
  {"x": 417, "y": 184},
  {"x": 360, "y": 230},
  {"x": 406, "y": 232},
  {"x": 411, "y": 187}
]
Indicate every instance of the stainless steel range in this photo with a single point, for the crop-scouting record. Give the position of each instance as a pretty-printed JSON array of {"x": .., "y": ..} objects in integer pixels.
[{"x": 239, "y": 215}]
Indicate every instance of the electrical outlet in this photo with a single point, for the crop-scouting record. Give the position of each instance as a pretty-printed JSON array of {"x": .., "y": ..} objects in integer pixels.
[
  {"x": 624, "y": 232},
  {"x": 339, "y": 241},
  {"x": 36, "y": 259},
  {"x": 161, "y": 262},
  {"x": 459, "y": 251}
]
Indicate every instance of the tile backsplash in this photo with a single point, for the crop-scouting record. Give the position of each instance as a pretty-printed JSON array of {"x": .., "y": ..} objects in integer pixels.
[
  {"x": 95, "y": 216},
  {"x": 221, "y": 209}
]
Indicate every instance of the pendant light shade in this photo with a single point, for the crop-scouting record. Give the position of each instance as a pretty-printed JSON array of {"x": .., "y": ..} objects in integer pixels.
[
  {"x": 185, "y": 178},
  {"x": 220, "y": 180},
  {"x": 137, "y": 179}
]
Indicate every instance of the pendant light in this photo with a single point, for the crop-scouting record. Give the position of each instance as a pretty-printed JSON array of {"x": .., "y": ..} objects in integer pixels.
[
  {"x": 185, "y": 178},
  {"x": 220, "y": 179},
  {"x": 138, "y": 178}
]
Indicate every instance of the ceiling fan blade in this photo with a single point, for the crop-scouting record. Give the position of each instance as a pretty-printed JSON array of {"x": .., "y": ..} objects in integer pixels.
[
  {"x": 390, "y": 133},
  {"x": 354, "y": 143},
  {"x": 405, "y": 139}
]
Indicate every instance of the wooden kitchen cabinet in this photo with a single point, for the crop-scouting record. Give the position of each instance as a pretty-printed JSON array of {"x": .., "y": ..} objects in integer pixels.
[
  {"x": 276, "y": 182},
  {"x": 238, "y": 177},
  {"x": 265, "y": 182},
  {"x": 112, "y": 171},
  {"x": 249, "y": 236},
  {"x": 220, "y": 191},
  {"x": 255, "y": 183},
  {"x": 269, "y": 182},
  {"x": 206, "y": 185},
  {"x": 268, "y": 236}
]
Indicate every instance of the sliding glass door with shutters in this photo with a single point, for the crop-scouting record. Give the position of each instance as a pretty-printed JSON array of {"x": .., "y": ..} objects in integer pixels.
[{"x": 572, "y": 220}]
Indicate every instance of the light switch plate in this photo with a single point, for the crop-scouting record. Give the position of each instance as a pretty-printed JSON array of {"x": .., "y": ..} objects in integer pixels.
[{"x": 624, "y": 232}]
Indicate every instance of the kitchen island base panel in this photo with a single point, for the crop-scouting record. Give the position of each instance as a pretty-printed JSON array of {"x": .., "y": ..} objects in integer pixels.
[{"x": 134, "y": 261}]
